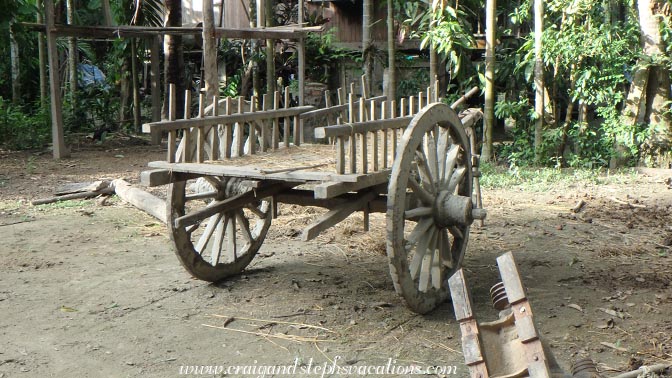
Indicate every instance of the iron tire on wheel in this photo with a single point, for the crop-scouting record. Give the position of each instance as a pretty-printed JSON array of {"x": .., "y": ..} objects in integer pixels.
[
  {"x": 236, "y": 235},
  {"x": 429, "y": 207}
]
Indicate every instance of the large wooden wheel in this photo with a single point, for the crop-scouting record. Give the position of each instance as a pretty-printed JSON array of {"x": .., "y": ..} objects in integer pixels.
[
  {"x": 214, "y": 246},
  {"x": 429, "y": 206}
]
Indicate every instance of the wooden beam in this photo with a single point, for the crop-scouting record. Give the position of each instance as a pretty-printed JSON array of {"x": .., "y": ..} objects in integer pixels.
[
  {"x": 335, "y": 216},
  {"x": 361, "y": 127},
  {"x": 334, "y": 189},
  {"x": 305, "y": 197},
  {"x": 58, "y": 140},
  {"x": 223, "y": 119}
]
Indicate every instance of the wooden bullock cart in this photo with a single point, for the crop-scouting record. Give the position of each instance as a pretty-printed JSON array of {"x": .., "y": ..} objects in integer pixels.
[{"x": 412, "y": 162}]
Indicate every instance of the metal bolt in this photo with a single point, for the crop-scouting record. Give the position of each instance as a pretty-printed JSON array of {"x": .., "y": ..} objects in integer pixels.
[
  {"x": 522, "y": 309},
  {"x": 536, "y": 358}
]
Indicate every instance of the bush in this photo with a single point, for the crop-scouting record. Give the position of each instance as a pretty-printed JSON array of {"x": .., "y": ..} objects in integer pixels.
[{"x": 20, "y": 130}]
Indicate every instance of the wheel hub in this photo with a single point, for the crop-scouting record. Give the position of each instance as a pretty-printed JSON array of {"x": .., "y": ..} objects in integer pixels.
[{"x": 455, "y": 210}]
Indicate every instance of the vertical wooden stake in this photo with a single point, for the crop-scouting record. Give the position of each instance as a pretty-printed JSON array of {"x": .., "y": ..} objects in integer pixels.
[
  {"x": 214, "y": 132},
  {"x": 352, "y": 140},
  {"x": 172, "y": 135},
  {"x": 200, "y": 139},
  {"x": 57, "y": 137},
  {"x": 383, "y": 112},
  {"x": 228, "y": 130},
  {"x": 286, "y": 126},
  {"x": 253, "y": 129},
  {"x": 187, "y": 143},
  {"x": 276, "y": 121}
]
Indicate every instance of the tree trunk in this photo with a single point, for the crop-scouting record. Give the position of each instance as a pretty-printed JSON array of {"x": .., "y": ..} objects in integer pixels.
[
  {"x": 42, "y": 54},
  {"x": 568, "y": 118},
  {"x": 270, "y": 52},
  {"x": 15, "y": 66},
  {"x": 209, "y": 52},
  {"x": 72, "y": 57},
  {"x": 648, "y": 92},
  {"x": 391, "y": 51},
  {"x": 367, "y": 44},
  {"x": 174, "y": 58},
  {"x": 539, "y": 86},
  {"x": 489, "y": 109}
]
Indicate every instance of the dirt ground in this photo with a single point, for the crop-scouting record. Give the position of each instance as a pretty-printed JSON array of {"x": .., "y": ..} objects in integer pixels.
[{"x": 91, "y": 290}]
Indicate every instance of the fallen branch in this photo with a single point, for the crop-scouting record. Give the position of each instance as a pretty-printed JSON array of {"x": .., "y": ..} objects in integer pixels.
[
  {"x": 644, "y": 370},
  {"x": 80, "y": 195},
  {"x": 633, "y": 205}
]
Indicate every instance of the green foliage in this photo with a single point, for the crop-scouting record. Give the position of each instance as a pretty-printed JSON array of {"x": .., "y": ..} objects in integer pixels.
[
  {"x": 323, "y": 53},
  {"x": 19, "y": 129}
]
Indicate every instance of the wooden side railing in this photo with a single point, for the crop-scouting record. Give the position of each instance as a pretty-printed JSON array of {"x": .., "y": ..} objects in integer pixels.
[{"x": 241, "y": 130}]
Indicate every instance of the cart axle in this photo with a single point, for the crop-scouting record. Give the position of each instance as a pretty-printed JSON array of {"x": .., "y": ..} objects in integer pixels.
[{"x": 455, "y": 210}]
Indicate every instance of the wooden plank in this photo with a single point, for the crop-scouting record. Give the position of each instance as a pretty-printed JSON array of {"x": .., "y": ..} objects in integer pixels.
[
  {"x": 511, "y": 278},
  {"x": 172, "y": 134},
  {"x": 298, "y": 131},
  {"x": 383, "y": 115},
  {"x": 335, "y": 216},
  {"x": 460, "y": 297},
  {"x": 158, "y": 177},
  {"x": 334, "y": 189},
  {"x": 213, "y": 120},
  {"x": 364, "y": 152},
  {"x": 253, "y": 172}
]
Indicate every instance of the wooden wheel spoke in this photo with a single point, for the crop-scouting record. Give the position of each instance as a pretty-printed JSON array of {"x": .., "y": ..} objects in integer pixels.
[
  {"x": 420, "y": 252},
  {"x": 445, "y": 250},
  {"x": 425, "y": 174},
  {"x": 256, "y": 211},
  {"x": 419, "y": 230},
  {"x": 207, "y": 233},
  {"x": 425, "y": 196},
  {"x": 216, "y": 183},
  {"x": 244, "y": 226},
  {"x": 456, "y": 179},
  {"x": 418, "y": 212},
  {"x": 201, "y": 195},
  {"x": 449, "y": 164},
  {"x": 216, "y": 249},
  {"x": 437, "y": 265},
  {"x": 430, "y": 152},
  {"x": 456, "y": 232},
  {"x": 441, "y": 148},
  {"x": 190, "y": 230},
  {"x": 424, "y": 281},
  {"x": 231, "y": 246}
]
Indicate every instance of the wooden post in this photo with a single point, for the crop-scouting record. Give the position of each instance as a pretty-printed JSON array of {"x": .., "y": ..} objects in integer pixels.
[
  {"x": 200, "y": 138},
  {"x": 58, "y": 140},
  {"x": 302, "y": 59},
  {"x": 276, "y": 122},
  {"x": 391, "y": 63},
  {"x": 137, "y": 122},
  {"x": 172, "y": 135}
]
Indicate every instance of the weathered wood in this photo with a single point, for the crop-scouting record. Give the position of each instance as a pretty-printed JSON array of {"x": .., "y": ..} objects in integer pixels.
[
  {"x": 172, "y": 134},
  {"x": 361, "y": 127},
  {"x": 72, "y": 196},
  {"x": 286, "y": 125},
  {"x": 335, "y": 216},
  {"x": 340, "y": 155},
  {"x": 158, "y": 177},
  {"x": 253, "y": 130},
  {"x": 77, "y": 187},
  {"x": 276, "y": 122},
  {"x": 58, "y": 140},
  {"x": 239, "y": 132},
  {"x": 224, "y": 119},
  {"x": 333, "y": 189},
  {"x": 252, "y": 172},
  {"x": 304, "y": 197},
  {"x": 352, "y": 141},
  {"x": 229, "y": 204},
  {"x": 511, "y": 278},
  {"x": 144, "y": 201}
]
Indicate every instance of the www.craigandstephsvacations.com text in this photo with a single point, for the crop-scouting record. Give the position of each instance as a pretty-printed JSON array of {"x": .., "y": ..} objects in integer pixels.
[{"x": 312, "y": 368}]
